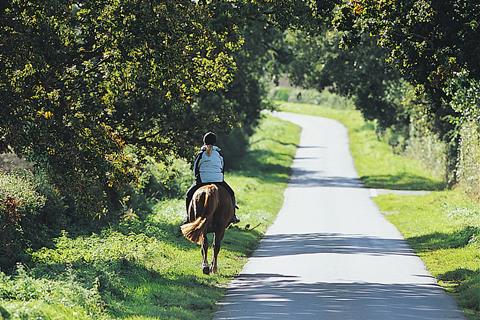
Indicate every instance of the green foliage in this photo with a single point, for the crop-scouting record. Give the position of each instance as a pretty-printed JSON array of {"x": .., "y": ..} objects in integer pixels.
[
  {"x": 469, "y": 161},
  {"x": 143, "y": 268},
  {"x": 311, "y": 96},
  {"x": 359, "y": 73},
  {"x": 31, "y": 210},
  {"x": 18, "y": 195},
  {"x": 20, "y": 202},
  {"x": 428, "y": 148},
  {"x": 234, "y": 147},
  {"x": 165, "y": 180},
  {"x": 464, "y": 90},
  {"x": 24, "y": 286},
  {"x": 432, "y": 44},
  {"x": 92, "y": 90},
  {"x": 427, "y": 41},
  {"x": 281, "y": 94},
  {"x": 84, "y": 84},
  {"x": 104, "y": 98}
]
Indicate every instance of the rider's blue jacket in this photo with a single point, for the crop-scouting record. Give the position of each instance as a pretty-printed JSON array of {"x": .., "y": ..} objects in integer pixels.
[{"x": 209, "y": 168}]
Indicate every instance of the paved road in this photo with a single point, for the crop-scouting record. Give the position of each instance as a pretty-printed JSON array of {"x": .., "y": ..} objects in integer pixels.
[{"x": 330, "y": 254}]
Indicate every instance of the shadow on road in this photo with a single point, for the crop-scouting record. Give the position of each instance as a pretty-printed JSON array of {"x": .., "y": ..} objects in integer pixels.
[
  {"x": 310, "y": 243},
  {"x": 275, "y": 296},
  {"x": 309, "y": 178}
]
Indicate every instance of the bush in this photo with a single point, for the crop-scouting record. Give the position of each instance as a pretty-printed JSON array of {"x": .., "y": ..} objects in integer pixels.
[
  {"x": 163, "y": 180},
  {"x": 19, "y": 202},
  {"x": 428, "y": 148},
  {"x": 468, "y": 164},
  {"x": 324, "y": 98},
  {"x": 53, "y": 213},
  {"x": 395, "y": 138},
  {"x": 234, "y": 146},
  {"x": 281, "y": 94}
]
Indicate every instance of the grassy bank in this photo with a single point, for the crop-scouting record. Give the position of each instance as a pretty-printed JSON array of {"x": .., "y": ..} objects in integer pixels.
[
  {"x": 444, "y": 230},
  {"x": 144, "y": 269},
  {"x": 443, "y": 227},
  {"x": 375, "y": 162}
]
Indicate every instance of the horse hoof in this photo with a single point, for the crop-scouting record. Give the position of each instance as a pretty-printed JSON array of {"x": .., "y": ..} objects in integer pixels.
[
  {"x": 213, "y": 270},
  {"x": 206, "y": 270}
]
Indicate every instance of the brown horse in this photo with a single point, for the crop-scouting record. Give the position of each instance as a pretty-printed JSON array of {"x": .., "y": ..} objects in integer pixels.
[{"x": 210, "y": 210}]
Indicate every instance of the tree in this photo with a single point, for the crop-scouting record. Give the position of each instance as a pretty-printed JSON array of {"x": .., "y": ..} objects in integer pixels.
[
  {"x": 88, "y": 89},
  {"x": 359, "y": 72},
  {"x": 431, "y": 43},
  {"x": 91, "y": 89}
]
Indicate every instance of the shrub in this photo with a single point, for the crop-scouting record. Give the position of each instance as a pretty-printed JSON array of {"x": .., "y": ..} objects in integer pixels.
[
  {"x": 394, "y": 137},
  {"x": 427, "y": 147},
  {"x": 470, "y": 296},
  {"x": 163, "y": 180},
  {"x": 53, "y": 213},
  {"x": 234, "y": 146},
  {"x": 468, "y": 164},
  {"x": 312, "y": 96},
  {"x": 19, "y": 202},
  {"x": 281, "y": 94}
]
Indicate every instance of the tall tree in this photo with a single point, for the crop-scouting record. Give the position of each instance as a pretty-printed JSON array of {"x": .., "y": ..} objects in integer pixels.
[
  {"x": 434, "y": 44},
  {"x": 88, "y": 88}
]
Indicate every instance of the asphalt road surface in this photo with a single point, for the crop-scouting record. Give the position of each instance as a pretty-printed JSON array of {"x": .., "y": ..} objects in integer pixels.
[{"x": 331, "y": 254}]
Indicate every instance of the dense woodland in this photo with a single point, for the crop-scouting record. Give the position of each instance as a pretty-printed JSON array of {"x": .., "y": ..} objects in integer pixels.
[{"x": 103, "y": 99}]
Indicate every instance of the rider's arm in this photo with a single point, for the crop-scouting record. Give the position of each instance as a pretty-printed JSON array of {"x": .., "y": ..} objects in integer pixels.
[
  {"x": 196, "y": 167},
  {"x": 223, "y": 162}
]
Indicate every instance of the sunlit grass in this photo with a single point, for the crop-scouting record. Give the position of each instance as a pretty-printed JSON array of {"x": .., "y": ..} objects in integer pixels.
[
  {"x": 374, "y": 160},
  {"x": 444, "y": 230},
  {"x": 442, "y": 227}
]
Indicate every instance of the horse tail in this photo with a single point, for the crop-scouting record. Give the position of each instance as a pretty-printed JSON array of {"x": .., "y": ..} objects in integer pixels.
[{"x": 204, "y": 204}]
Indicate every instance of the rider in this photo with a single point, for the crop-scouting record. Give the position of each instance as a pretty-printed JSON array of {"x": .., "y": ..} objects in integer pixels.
[{"x": 208, "y": 168}]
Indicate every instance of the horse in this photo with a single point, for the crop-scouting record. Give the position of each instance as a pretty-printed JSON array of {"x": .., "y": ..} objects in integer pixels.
[{"x": 210, "y": 210}]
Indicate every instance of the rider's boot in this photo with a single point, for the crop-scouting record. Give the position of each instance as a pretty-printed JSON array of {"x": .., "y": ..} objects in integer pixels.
[
  {"x": 234, "y": 218},
  {"x": 186, "y": 216}
]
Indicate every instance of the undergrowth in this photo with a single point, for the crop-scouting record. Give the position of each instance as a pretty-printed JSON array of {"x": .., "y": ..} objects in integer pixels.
[{"x": 143, "y": 268}]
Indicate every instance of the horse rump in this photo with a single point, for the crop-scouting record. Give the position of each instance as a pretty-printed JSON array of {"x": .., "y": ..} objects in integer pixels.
[{"x": 204, "y": 203}]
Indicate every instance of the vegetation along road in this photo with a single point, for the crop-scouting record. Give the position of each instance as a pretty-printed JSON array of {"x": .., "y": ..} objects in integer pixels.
[
  {"x": 104, "y": 105},
  {"x": 331, "y": 254}
]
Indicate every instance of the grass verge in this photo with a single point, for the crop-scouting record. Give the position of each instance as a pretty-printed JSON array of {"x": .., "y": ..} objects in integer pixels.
[
  {"x": 443, "y": 227},
  {"x": 144, "y": 269},
  {"x": 444, "y": 230},
  {"x": 376, "y": 164}
]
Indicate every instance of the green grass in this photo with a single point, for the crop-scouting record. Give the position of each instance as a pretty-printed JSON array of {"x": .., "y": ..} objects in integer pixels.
[
  {"x": 374, "y": 160},
  {"x": 444, "y": 230},
  {"x": 144, "y": 269},
  {"x": 442, "y": 227}
]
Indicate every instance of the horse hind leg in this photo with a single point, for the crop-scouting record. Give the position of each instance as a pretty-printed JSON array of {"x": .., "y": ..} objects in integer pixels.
[
  {"x": 216, "y": 249},
  {"x": 205, "y": 266}
]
